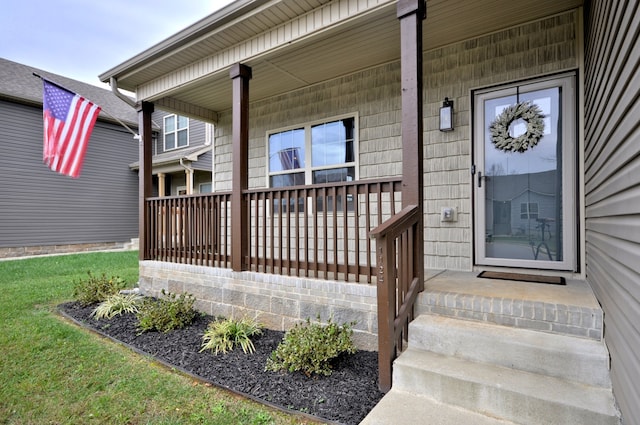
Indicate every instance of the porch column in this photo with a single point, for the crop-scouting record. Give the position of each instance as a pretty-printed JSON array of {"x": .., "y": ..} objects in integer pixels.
[
  {"x": 240, "y": 74},
  {"x": 188, "y": 173},
  {"x": 411, "y": 13},
  {"x": 161, "y": 184},
  {"x": 145, "y": 109}
]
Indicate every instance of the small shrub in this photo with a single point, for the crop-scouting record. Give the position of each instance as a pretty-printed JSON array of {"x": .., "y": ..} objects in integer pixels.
[
  {"x": 117, "y": 304},
  {"x": 224, "y": 335},
  {"x": 96, "y": 289},
  {"x": 166, "y": 314},
  {"x": 311, "y": 347}
]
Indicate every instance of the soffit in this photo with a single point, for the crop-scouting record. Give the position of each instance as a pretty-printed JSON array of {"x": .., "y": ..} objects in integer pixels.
[{"x": 358, "y": 43}]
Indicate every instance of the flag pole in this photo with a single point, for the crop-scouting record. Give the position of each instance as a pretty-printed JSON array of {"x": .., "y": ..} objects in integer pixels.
[{"x": 135, "y": 135}]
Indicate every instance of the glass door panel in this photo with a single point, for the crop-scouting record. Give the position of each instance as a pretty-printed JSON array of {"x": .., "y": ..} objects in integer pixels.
[{"x": 524, "y": 194}]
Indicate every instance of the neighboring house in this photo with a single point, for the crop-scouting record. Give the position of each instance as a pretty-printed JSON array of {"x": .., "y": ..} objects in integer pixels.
[
  {"x": 327, "y": 130},
  {"x": 516, "y": 204},
  {"x": 44, "y": 212},
  {"x": 182, "y": 155}
]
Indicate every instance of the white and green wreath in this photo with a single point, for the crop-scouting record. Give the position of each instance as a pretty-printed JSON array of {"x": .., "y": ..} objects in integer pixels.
[{"x": 499, "y": 128}]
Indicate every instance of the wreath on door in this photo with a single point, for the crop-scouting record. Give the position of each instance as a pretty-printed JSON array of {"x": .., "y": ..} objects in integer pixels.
[{"x": 499, "y": 128}]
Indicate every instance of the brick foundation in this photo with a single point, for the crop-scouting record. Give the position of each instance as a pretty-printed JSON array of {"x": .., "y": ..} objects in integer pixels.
[{"x": 278, "y": 302}]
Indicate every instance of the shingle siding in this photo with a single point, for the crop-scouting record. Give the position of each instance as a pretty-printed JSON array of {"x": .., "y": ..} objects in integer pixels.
[
  {"x": 612, "y": 179},
  {"x": 372, "y": 95},
  {"x": 39, "y": 207},
  {"x": 532, "y": 49}
]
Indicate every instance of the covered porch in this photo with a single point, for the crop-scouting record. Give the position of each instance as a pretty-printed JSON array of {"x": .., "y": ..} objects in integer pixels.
[{"x": 356, "y": 248}]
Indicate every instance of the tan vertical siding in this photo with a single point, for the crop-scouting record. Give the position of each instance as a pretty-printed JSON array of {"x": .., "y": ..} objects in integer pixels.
[{"x": 612, "y": 186}]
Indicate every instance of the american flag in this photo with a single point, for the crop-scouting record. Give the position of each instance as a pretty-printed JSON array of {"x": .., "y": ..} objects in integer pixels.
[{"x": 68, "y": 121}]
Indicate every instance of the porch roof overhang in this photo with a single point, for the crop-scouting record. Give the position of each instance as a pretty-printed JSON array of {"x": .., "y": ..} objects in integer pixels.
[
  {"x": 171, "y": 161},
  {"x": 291, "y": 44}
]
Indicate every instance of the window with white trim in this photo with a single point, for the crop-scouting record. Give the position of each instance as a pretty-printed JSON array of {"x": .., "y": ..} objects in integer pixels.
[
  {"x": 315, "y": 153},
  {"x": 528, "y": 210},
  {"x": 176, "y": 132},
  {"x": 322, "y": 152}
]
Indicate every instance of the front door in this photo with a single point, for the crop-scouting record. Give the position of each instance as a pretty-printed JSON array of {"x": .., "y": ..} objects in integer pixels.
[{"x": 524, "y": 175}]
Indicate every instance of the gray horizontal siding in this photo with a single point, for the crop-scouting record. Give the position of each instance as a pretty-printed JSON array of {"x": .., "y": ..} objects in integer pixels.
[
  {"x": 612, "y": 186},
  {"x": 196, "y": 131},
  {"x": 204, "y": 162},
  {"x": 40, "y": 207}
]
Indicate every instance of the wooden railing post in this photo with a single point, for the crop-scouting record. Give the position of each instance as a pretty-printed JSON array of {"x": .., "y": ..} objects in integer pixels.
[
  {"x": 386, "y": 310},
  {"x": 395, "y": 282}
]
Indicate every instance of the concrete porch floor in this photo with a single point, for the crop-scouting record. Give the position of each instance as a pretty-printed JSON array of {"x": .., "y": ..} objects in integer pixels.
[{"x": 568, "y": 309}]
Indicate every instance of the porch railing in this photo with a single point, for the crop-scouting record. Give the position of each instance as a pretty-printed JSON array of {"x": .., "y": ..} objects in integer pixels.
[
  {"x": 192, "y": 229},
  {"x": 312, "y": 231},
  {"x": 320, "y": 230},
  {"x": 323, "y": 231},
  {"x": 399, "y": 282}
]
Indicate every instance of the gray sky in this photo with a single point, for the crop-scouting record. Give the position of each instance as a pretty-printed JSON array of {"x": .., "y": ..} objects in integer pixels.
[{"x": 81, "y": 39}]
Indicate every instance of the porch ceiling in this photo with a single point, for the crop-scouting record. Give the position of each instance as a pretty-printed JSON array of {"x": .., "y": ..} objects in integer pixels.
[{"x": 367, "y": 39}]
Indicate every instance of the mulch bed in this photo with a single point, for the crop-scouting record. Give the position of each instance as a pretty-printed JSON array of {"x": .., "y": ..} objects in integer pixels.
[{"x": 344, "y": 397}]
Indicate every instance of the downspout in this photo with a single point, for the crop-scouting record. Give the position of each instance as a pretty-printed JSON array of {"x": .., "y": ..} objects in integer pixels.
[
  {"x": 190, "y": 182},
  {"x": 114, "y": 88}
]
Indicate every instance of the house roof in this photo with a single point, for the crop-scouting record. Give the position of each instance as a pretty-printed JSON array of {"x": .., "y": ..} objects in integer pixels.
[
  {"x": 190, "y": 154},
  {"x": 17, "y": 83},
  {"x": 291, "y": 44}
]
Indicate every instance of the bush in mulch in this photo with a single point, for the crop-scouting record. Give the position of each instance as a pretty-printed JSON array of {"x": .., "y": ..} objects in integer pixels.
[{"x": 345, "y": 396}]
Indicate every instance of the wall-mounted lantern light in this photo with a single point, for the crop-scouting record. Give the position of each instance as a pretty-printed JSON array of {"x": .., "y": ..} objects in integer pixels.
[{"x": 446, "y": 115}]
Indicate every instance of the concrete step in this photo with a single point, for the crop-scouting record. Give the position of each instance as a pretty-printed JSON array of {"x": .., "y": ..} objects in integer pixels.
[
  {"x": 567, "y": 310},
  {"x": 399, "y": 407},
  {"x": 576, "y": 359},
  {"x": 501, "y": 392}
]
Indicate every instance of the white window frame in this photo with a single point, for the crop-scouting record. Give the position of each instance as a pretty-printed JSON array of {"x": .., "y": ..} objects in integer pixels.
[
  {"x": 527, "y": 214},
  {"x": 308, "y": 169},
  {"x": 175, "y": 131},
  {"x": 203, "y": 184}
]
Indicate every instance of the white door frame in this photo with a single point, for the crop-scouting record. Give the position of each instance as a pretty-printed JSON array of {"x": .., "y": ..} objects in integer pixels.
[{"x": 566, "y": 83}]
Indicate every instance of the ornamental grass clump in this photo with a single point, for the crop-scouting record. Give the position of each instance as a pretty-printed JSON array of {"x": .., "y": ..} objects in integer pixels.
[
  {"x": 96, "y": 289},
  {"x": 167, "y": 313},
  {"x": 224, "y": 335},
  {"x": 311, "y": 348},
  {"x": 117, "y": 304}
]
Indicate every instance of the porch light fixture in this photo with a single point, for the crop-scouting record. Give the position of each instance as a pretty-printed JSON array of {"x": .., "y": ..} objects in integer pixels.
[{"x": 446, "y": 115}]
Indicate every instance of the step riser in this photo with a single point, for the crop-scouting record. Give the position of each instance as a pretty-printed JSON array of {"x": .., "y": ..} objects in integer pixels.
[
  {"x": 575, "y": 359},
  {"x": 494, "y": 400},
  {"x": 581, "y": 321}
]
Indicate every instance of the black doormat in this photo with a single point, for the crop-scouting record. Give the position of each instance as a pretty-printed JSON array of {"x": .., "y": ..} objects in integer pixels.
[{"x": 552, "y": 280}]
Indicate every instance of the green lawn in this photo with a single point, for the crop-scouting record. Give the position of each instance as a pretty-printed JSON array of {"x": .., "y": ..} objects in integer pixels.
[{"x": 52, "y": 372}]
